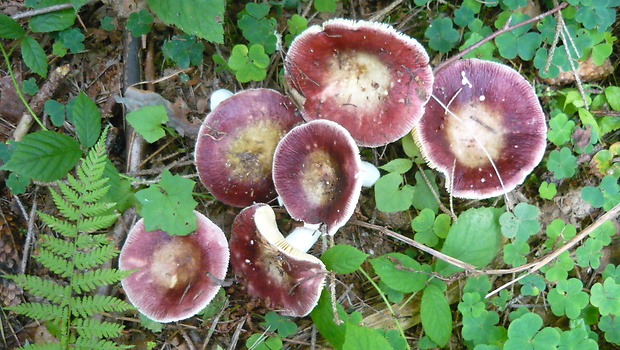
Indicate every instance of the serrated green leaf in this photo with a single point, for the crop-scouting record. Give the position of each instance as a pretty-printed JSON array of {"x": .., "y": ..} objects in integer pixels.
[
  {"x": 172, "y": 210},
  {"x": 34, "y": 56},
  {"x": 400, "y": 272},
  {"x": 97, "y": 329},
  {"x": 363, "y": 338},
  {"x": 202, "y": 18},
  {"x": 474, "y": 238},
  {"x": 612, "y": 94},
  {"x": 400, "y": 165},
  {"x": 52, "y": 21},
  {"x": 343, "y": 258},
  {"x": 9, "y": 28},
  {"x": 84, "y": 114},
  {"x": 325, "y": 5},
  {"x": 436, "y": 315},
  {"x": 44, "y": 156},
  {"x": 148, "y": 122}
]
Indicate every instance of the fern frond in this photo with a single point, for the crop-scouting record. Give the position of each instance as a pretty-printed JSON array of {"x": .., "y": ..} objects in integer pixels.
[
  {"x": 90, "y": 343},
  {"x": 40, "y": 311},
  {"x": 65, "y": 228},
  {"x": 42, "y": 288},
  {"x": 95, "y": 194},
  {"x": 89, "y": 280},
  {"x": 96, "y": 223},
  {"x": 94, "y": 257},
  {"x": 95, "y": 209},
  {"x": 55, "y": 263},
  {"x": 93, "y": 165},
  {"x": 42, "y": 346},
  {"x": 68, "y": 203},
  {"x": 58, "y": 246},
  {"x": 86, "y": 242},
  {"x": 89, "y": 305},
  {"x": 91, "y": 328}
]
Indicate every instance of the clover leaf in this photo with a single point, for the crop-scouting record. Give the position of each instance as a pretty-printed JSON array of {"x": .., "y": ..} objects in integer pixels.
[
  {"x": 441, "y": 34},
  {"x": 560, "y": 129},
  {"x": 567, "y": 298},
  {"x": 139, "y": 23},
  {"x": 183, "y": 50},
  {"x": 606, "y": 297},
  {"x": 520, "y": 224},
  {"x": 249, "y": 64},
  {"x": 525, "y": 333},
  {"x": 562, "y": 163}
]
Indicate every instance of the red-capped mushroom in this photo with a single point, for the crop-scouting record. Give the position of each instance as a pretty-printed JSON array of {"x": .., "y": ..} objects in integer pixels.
[
  {"x": 484, "y": 128},
  {"x": 318, "y": 174},
  {"x": 270, "y": 267},
  {"x": 365, "y": 76},
  {"x": 177, "y": 275},
  {"x": 234, "y": 149}
]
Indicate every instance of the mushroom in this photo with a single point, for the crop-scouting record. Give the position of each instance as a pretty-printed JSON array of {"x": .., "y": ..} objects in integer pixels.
[
  {"x": 318, "y": 174},
  {"x": 290, "y": 280},
  {"x": 484, "y": 129},
  {"x": 177, "y": 275},
  {"x": 365, "y": 76},
  {"x": 234, "y": 149}
]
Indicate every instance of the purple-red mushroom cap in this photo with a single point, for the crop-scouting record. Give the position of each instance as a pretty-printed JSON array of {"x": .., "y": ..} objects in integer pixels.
[
  {"x": 317, "y": 172},
  {"x": 235, "y": 145},
  {"x": 177, "y": 276},
  {"x": 290, "y": 281},
  {"x": 364, "y": 75},
  {"x": 492, "y": 134}
]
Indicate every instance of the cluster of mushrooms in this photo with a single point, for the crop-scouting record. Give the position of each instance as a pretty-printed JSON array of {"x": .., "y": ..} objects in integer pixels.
[{"x": 352, "y": 83}]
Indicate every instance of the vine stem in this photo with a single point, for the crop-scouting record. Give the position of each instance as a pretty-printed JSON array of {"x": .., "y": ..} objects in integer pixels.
[
  {"x": 505, "y": 29},
  {"x": 16, "y": 85},
  {"x": 386, "y": 301}
]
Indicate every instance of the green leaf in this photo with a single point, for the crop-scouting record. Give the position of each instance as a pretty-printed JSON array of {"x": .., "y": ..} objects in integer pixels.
[
  {"x": 148, "y": 122},
  {"x": 606, "y": 297},
  {"x": 323, "y": 318},
  {"x": 532, "y": 284},
  {"x": 400, "y": 272},
  {"x": 108, "y": 23},
  {"x": 560, "y": 129},
  {"x": 29, "y": 86},
  {"x": 249, "y": 64},
  {"x": 612, "y": 94},
  {"x": 202, "y": 18},
  {"x": 514, "y": 253},
  {"x": 258, "y": 342},
  {"x": 84, "y": 114},
  {"x": 547, "y": 190},
  {"x": 72, "y": 39},
  {"x": 17, "y": 183},
  {"x": 9, "y": 28},
  {"x": 183, "y": 50},
  {"x": 56, "y": 111},
  {"x": 474, "y": 238},
  {"x": 521, "y": 224},
  {"x": 139, "y": 23},
  {"x": 399, "y": 165},
  {"x": 590, "y": 253},
  {"x": 567, "y": 298},
  {"x": 169, "y": 206},
  {"x": 44, "y": 156},
  {"x": 282, "y": 324},
  {"x": 525, "y": 333},
  {"x": 325, "y": 5},
  {"x": 436, "y": 315},
  {"x": 52, "y": 21},
  {"x": 610, "y": 324},
  {"x": 441, "y": 34},
  {"x": 296, "y": 24},
  {"x": 558, "y": 269},
  {"x": 423, "y": 196},
  {"x": 257, "y": 29},
  {"x": 562, "y": 163},
  {"x": 33, "y": 55},
  {"x": 363, "y": 338},
  {"x": 343, "y": 258},
  {"x": 390, "y": 196}
]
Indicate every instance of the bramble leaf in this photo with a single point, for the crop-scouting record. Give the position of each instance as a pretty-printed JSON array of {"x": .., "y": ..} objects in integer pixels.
[
  {"x": 33, "y": 55},
  {"x": 84, "y": 114},
  {"x": 148, "y": 122},
  {"x": 400, "y": 272},
  {"x": 436, "y": 315},
  {"x": 202, "y": 18},
  {"x": 343, "y": 258},
  {"x": 9, "y": 28}
]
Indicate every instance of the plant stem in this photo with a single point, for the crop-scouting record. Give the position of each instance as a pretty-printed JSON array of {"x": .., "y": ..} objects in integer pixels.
[
  {"x": 505, "y": 29},
  {"x": 387, "y": 303},
  {"x": 16, "y": 85}
]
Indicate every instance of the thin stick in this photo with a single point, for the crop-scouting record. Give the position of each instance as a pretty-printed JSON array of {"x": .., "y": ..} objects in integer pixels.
[
  {"x": 454, "y": 58},
  {"x": 29, "y": 234},
  {"x": 48, "y": 9},
  {"x": 435, "y": 194},
  {"x": 214, "y": 324}
]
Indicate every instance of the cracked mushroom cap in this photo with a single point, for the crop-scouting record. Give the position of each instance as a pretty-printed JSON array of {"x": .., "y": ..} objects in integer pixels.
[
  {"x": 235, "y": 144},
  {"x": 288, "y": 279},
  {"x": 317, "y": 171},
  {"x": 177, "y": 275},
  {"x": 365, "y": 76},
  {"x": 493, "y": 114}
]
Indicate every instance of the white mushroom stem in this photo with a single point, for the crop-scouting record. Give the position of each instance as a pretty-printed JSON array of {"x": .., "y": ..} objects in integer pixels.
[
  {"x": 304, "y": 237},
  {"x": 370, "y": 174},
  {"x": 218, "y": 96}
]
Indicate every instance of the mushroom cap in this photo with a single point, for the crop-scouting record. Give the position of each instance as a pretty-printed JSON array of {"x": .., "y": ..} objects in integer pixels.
[
  {"x": 290, "y": 280},
  {"x": 365, "y": 76},
  {"x": 493, "y": 113},
  {"x": 173, "y": 281},
  {"x": 317, "y": 172},
  {"x": 235, "y": 144}
]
